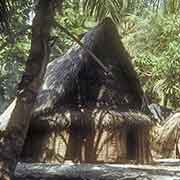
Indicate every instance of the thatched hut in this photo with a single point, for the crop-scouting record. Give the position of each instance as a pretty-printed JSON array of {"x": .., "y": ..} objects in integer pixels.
[
  {"x": 85, "y": 114},
  {"x": 169, "y": 137}
]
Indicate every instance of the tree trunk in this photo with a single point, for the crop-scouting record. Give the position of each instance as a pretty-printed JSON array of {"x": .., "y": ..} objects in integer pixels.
[{"x": 12, "y": 138}]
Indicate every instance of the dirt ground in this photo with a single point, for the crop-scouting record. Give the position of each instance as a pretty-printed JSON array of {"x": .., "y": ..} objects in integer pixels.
[{"x": 162, "y": 169}]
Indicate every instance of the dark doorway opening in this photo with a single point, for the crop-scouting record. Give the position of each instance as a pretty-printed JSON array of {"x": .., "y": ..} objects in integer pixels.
[{"x": 131, "y": 144}]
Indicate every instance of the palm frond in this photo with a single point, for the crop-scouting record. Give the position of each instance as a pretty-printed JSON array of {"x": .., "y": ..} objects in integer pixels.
[
  {"x": 173, "y": 6},
  {"x": 103, "y": 8},
  {"x": 116, "y": 9}
]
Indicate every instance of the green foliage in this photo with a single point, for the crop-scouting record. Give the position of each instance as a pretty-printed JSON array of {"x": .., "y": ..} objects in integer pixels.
[
  {"x": 172, "y": 6},
  {"x": 74, "y": 20},
  {"x": 116, "y": 9},
  {"x": 155, "y": 45},
  {"x": 14, "y": 46}
]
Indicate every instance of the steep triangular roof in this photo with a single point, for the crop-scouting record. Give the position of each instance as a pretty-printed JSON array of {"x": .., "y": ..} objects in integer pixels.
[{"x": 76, "y": 79}]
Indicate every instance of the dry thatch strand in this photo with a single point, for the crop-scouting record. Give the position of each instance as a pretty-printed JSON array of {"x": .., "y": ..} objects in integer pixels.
[
  {"x": 169, "y": 133},
  {"x": 89, "y": 135},
  {"x": 92, "y": 117}
]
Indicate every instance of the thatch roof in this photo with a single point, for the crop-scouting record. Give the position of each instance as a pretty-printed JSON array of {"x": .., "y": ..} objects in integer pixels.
[
  {"x": 90, "y": 117},
  {"x": 75, "y": 83},
  {"x": 76, "y": 80},
  {"x": 169, "y": 134}
]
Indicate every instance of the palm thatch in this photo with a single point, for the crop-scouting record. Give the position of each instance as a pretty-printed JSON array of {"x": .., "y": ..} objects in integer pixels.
[
  {"x": 76, "y": 80},
  {"x": 90, "y": 117},
  {"x": 169, "y": 135}
]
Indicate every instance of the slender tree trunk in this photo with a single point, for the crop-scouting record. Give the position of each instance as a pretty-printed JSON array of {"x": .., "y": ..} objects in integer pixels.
[{"x": 12, "y": 139}]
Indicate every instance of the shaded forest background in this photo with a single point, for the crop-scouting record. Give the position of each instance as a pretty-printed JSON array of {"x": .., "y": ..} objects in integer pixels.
[{"x": 150, "y": 30}]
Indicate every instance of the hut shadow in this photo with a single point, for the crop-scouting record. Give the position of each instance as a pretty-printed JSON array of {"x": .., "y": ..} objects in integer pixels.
[
  {"x": 88, "y": 135},
  {"x": 98, "y": 135}
]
